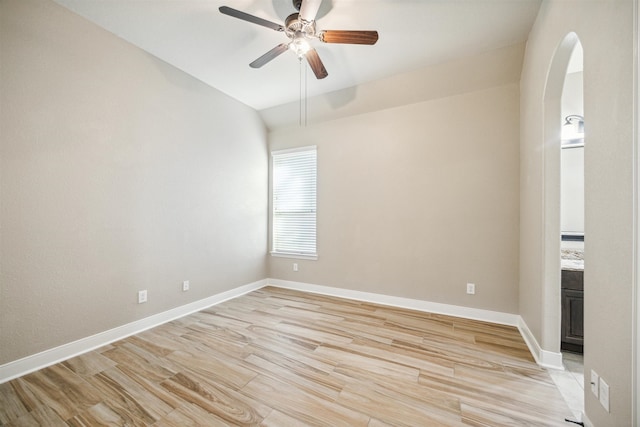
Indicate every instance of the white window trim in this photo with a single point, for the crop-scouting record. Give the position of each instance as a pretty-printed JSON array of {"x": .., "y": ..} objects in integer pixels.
[{"x": 294, "y": 255}]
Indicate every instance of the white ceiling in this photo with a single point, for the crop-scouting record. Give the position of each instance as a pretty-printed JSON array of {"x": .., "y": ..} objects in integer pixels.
[{"x": 195, "y": 37}]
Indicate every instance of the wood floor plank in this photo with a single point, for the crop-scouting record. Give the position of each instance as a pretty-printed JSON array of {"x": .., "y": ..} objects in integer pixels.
[
  {"x": 319, "y": 334},
  {"x": 29, "y": 402},
  {"x": 346, "y": 356},
  {"x": 40, "y": 416},
  {"x": 358, "y": 330},
  {"x": 154, "y": 367},
  {"x": 109, "y": 413},
  {"x": 62, "y": 390},
  {"x": 314, "y": 361},
  {"x": 278, "y": 419},
  {"x": 11, "y": 405},
  {"x": 282, "y": 342},
  {"x": 152, "y": 389},
  {"x": 230, "y": 373},
  {"x": 89, "y": 364},
  {"x": 402, "y": 355},
  {"x": 399, "y": 392},
  {"x": 227, "y": 404},
  {"x": 312, "y": 381},
  {"x": 301, "y": 405},
  {"x": 123, "y": 392},
  {"x": 189, "y": 415},
  {"x": 375, "y": 400},
  {"x": 278, "y": 357}
]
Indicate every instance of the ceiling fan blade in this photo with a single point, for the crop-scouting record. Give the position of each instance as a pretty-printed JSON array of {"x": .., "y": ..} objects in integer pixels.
[
  {"x": 349, "y": 37},
  {"x": 309, "y": 9},
  {"x": 316, "y": 64},
  {"x": 250, "y": 18},
  {"x": 281, "y": 48}
]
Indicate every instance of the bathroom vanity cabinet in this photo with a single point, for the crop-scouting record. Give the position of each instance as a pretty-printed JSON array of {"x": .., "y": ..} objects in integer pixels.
[{"x": 572, "y": 329}]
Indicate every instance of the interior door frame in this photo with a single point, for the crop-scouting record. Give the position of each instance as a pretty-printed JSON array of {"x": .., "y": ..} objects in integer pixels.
[{"x": 635, "y": 404}]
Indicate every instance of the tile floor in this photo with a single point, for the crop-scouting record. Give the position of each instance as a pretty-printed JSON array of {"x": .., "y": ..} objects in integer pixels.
[{"x": 570, "y": 382}]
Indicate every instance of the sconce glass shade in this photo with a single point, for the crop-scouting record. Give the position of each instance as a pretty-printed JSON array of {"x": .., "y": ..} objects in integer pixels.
[{"x": 573, "y": 130}]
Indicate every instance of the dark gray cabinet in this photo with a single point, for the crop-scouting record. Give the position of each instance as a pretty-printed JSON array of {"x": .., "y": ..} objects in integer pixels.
[{"x": 572, "y": 329}]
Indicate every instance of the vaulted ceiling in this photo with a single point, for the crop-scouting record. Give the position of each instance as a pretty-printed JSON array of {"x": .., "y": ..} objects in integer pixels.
[{"x": 195, "y": 37}]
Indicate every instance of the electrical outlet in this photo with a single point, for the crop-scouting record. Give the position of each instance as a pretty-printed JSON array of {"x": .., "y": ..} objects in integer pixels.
[
  {"x": 142, "y": 296},
  {"x": 295, "y": 266},
  {"x": 604, "y": 394},
  {"x": 594, "y": 383},
  {"x": 471, "y": 288},
  {"x": 185, "y": 286}
]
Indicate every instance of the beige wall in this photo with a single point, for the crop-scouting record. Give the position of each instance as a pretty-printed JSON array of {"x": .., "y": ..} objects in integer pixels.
[
  {"x": 118, "y": 173},
  {"x": 605, "y": 29},
  {"x": 416, "y": 201}
]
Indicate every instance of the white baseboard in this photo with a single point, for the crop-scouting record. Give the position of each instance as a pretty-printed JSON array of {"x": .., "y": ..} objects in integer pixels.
[
  {"x": 49, "y": 357},
  {"x": 413, "y": 304},
  {"x": 544, "y": 358}
]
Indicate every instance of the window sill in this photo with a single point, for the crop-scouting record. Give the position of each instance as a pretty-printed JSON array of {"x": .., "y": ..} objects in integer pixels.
[{"x": 296, "y": 256}]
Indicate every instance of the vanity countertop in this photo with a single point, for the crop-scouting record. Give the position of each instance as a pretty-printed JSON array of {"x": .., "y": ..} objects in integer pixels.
[{"x": 572, "y": 259}]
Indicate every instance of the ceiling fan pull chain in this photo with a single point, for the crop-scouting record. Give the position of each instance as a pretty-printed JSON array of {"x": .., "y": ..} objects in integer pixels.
[
  {"x": 300, "y": 91},
  {"x": 306, "y": 98}
]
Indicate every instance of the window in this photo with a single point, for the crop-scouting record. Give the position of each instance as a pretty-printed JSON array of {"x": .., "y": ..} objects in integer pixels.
[{"x": 294, "y": 202}]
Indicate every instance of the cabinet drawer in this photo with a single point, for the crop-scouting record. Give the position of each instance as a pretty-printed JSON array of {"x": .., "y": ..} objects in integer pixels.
[{"x": 573, "y": 280}]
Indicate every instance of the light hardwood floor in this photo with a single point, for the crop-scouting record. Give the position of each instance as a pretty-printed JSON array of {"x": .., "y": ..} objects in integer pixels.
[{"x": 277, "y": 357}]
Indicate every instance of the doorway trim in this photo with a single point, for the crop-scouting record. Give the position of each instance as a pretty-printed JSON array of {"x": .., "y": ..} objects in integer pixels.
[
  {"x": 551, "y": 307},
  {"x": 635, "y": 387}
]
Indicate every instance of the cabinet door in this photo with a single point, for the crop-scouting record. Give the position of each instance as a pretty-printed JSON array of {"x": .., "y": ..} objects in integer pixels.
[
  {"x": 572, "y": 317},
  {"x": 573, "y": 279}
]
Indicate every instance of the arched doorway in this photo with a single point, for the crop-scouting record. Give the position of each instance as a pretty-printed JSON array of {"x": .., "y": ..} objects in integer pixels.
[
  {"x": 552, "y": 234},
  {"x": 556, "y": 115},
  {"x": 572, "y": 208}
]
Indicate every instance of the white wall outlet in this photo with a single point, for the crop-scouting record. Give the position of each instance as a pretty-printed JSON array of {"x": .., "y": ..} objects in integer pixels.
[
  {"x": 594, "y": 383},
  {"x": 471, "y": 288},
  {"x": 142, "y": 296},
  {"x": 295, "y": 266},
  {"x": 185, "y": 286},
  {"x": 604, "y": 394}
]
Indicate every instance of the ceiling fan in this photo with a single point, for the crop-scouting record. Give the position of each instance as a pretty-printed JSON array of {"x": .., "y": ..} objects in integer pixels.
[{"x": 300, "y": 28}]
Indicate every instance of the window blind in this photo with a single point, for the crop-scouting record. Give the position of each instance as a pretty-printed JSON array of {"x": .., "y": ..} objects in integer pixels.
[{"x": 294, "y": 201}]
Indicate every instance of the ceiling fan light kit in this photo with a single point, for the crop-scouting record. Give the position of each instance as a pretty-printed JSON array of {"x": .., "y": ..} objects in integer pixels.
[{"x": 301, "y": 30}]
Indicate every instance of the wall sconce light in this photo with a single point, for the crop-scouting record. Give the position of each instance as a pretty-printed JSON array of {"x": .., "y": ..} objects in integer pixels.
[{"x": 573, "y": 131}]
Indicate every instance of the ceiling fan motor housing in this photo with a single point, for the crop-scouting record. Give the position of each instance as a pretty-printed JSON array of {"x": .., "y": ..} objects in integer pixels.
[
  {"x": 292, "y": 22},
  {"x": 295, "y": 26}
]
